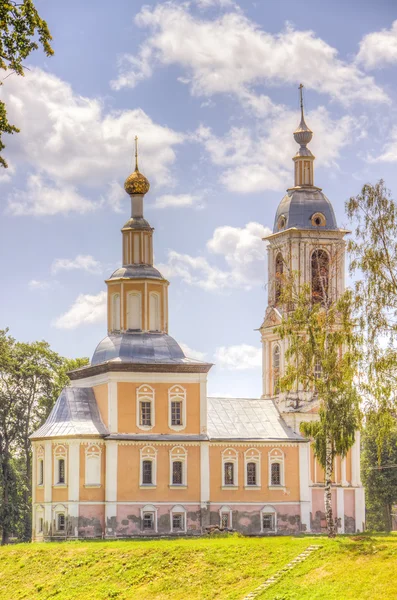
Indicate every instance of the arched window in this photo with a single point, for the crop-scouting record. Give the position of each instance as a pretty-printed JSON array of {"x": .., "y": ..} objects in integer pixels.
[
  {"x": 268, "y": 519},
  {"x": 40, "y": 465},
  {"x": 149, "y": 518},
  {"x": 178, "y": 519},
  {"x": 178, "y": 464},
  {"x": 276, "y": 369},
  {"x": 225, "y": 517},
  {"x": 320, "y": 276},
  {"x": 116, "y": 312},
  {"x": 134, "y": 311},
  {"x": 60, "y": 455},
  {"x": 148, "y": 466},
  {"x": 276, "y": 468},
  {"x": 177, "y": 407},
  {"x": 154, "y": 312},
  {"x": 252, "y": 458},
  {"x": 278, "y": 277},
  {"x": 93, "y": 465},
  {"x": 145, "y": 413},
  {"x": 229, "y": 467}
]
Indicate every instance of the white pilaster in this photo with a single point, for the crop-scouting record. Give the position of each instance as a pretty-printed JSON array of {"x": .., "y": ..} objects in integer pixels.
[
  {"x": 359, "y": 508},
  {"x": 73, "y": 513},
  {"x": 203, "y": 403},
  {"x": 204, "y": 473},
  {"x": 47, "y": 484},
  {"x": 340, "y": 508},
  {"x": 111, "y": 483},
  {"x": 305, "y": 492},
  {"x": 74, "y": 472},
  {"x": 264, "y": 370},
  {"x": 112, "y": 407},
  {"x": 355, "y": 454},
  {"x": 343, "y": 468}
]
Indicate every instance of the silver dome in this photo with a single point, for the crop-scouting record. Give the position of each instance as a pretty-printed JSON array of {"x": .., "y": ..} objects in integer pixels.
[
  {"x": 299, "y": 205},
  {"x": 136, "y": 272}
]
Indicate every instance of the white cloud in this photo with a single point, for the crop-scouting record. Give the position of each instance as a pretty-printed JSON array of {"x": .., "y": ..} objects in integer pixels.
[
  {"x": 190, "y": 353},
  {"x": 179, "y": 201},
  {"x": 240, "y": 357},
  {"x": 74, "y": 140},
  {"x": 379, "y": 49},
  {"x": 260, "y": 160},
  {"x": 204, "y": 4},
  {"x": 241, "y": 249},
  {"x": 389, "y": 151},
  {"x": 231, "y": 54},
  {"x": 41, "y": 198},
  {"x": 35, "y": 284},
  {"x": 85, "y": 310},
  {"x": 115, "y": 196},
  {"x": 84, "y": 262}
]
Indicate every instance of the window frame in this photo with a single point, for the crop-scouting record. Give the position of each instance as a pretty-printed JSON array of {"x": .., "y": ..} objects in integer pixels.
[
  {"x": 178, "y": 454},
  {"x": 178, "y": 510},
  {"x": 40, "y": 473},
  {"x": 157, "y": 317},
  {"x": 60, "y": 453},
  {"x": 268, "y": 511},
  {"x": 252, "y": 455},
  {"x": 278, "y": 276},
  {"x": 137, "y": 294},
  {"x": 276, "y": 370},
  {"x": 145, "y": 393},
  {"x": 177, "y": 393},
  {"x": 116, "y": 298},
  {"x": 93, "y": 452},
  {"x": 276, "y": 456},
  {"x": 148, "y": 453},
  {"x": 226, "y": 510},
  {"x": 149, "y": 508},
  {"x": 230, "y": 455},
  {"x": 324, "y": 253}
]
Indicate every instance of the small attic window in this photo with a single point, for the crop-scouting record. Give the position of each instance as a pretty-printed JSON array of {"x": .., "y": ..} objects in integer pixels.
[
  {"x": 282, "y": 221},
  {"x": 318, "y": 220}
]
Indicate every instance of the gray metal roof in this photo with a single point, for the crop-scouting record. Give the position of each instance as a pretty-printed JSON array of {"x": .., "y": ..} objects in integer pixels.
[
  {"x": 140, "y": 348},
  {"x": 247, "y": 419},
  {"x": 138, "y": 223},
  {"x": 137, "y": 272},
  {"x": 299, "y": 205},
  {"x": 74, "y": 413}
]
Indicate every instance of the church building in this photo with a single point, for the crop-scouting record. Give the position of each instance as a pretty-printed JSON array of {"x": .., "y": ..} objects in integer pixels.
[{"x": 135, "y": 447}]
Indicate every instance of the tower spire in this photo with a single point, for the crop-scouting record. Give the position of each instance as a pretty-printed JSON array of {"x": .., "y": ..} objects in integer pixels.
[
  {"x": 136, "y": 153},
  {"x": 303, "y": 159}
]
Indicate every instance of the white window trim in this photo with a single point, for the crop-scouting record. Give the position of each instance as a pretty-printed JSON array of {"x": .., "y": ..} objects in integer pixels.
[
  {"x": 93, "y": 451},
  {"x": 158, "y": 299},
  {"x": 252, "y": 455},
  {"x": 230, "y": 455},
  {"x": 58, "y": 510},
  {"x": 275, "y": 346},
  {"x": 145, "y": 393},
  {"x": 149, "y": 508},
  {"x": 269, "y": 510},
  {"x": 40, "y": 458},
  {"x": 39, "y": 515},
  {"x": 229, "y": 512},
  {"x": 178, "y": 393},
  {"x": 179, "y": 509},
  {"x": 139, "y": 295},
  {"x": 148, "y": 453},
  {"x": 114, "y": 297},
  {"x": 276, "y": 456},
  {"x": 60, "y": 452},
  {"x": 179, "y": 454}
]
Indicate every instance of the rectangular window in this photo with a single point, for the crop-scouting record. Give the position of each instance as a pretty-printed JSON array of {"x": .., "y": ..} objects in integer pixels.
[
  {"x": 61, "y": 522},
  {"x": 225, "y": 520},
  {"x": 177, "y": 522},
  {"x": 41, "y": 472},
  {"x": 268, "y": 522},
  {"x": 41, "y": 523},
  {"x": 177, "y": 472},
  {"x": 148, "y": 521},
  {"x": 275, "y": 474},
  {"x": 176, "y": 412},
  {"x": 61, "y": 470},
  {"x": 229, "y": 473},
  {"x": 145, "y": 413},
  {"x": 147, "y": 472},
  {"x": 251, "y": 473}
]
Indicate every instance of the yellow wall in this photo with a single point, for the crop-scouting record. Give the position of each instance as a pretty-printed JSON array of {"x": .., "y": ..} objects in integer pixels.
[
  {"x": 291, "y": 466},
  {"x": 101, "y": 395},
  {"x": 128, "y": 475},
  {"x": 127, "y": 402}
]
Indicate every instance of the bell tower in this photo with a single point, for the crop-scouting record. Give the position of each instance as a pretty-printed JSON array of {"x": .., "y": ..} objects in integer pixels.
[{"x": 305, "y": 235}]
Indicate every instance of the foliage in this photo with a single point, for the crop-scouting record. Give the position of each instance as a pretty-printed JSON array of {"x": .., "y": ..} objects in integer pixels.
[
  {"x": 317, "y": 327},
  {"x": 31, "y": 377},
  {"x": 373, "y": 252},
  {"x": 379, "y": 474},
  {"x": 21, "y": 31},
  {"x": 200, "y": 568}
]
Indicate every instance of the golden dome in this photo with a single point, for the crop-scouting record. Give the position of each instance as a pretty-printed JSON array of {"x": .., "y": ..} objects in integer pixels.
[{"x": 136, "y": 183}]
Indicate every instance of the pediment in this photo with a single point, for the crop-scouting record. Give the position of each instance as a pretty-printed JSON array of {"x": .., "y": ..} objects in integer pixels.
[{"x": 272, "y": 318}]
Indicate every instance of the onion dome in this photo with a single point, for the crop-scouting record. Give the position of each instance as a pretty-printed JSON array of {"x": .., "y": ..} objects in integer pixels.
[
  {"x": 303, "y": 134},
  {"x": 136, "y": 183}
]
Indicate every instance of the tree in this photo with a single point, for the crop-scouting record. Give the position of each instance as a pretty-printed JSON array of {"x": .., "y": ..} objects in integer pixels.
[
  {"x": 322, "y": 358},
  {"x": 379, "y": 472},
  {"x": 373, "y": 250},
  {"x": 21, "y": 31}
]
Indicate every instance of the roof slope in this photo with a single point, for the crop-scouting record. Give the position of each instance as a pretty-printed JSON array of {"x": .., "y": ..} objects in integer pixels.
[
  {"x": 75, "y": 413},
  {"x": 247, "y": 419}
]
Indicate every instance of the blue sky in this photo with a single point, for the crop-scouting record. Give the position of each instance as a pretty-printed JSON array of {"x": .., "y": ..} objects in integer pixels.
[{"x": 210, "y": 88}]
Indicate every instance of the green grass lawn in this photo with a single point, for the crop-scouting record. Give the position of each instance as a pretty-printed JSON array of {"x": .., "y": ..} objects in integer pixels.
[{"x": 199, "y": 569}]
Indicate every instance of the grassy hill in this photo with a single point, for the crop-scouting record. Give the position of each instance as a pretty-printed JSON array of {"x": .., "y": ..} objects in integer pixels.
[{"x": 200, "y": 569}]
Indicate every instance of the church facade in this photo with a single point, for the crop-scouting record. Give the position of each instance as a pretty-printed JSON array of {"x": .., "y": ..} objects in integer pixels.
[{"x": 135, "y": 447}]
